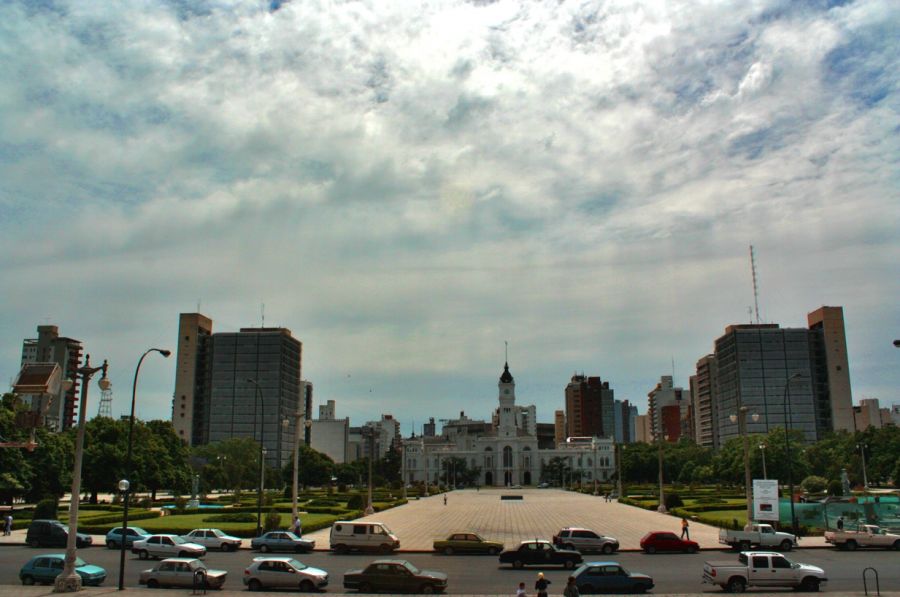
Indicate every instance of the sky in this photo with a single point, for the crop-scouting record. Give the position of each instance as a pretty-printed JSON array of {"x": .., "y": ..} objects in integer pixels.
[{"x": 409, "y": 185}]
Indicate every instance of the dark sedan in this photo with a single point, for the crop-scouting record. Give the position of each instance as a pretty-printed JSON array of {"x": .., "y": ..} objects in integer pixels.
[
  {"x": 282, "y": 541},
  {"x": 610, "y": 577},
  {"x": 395, "y": 576},
  {"x": 540, "y": 553},
  {"x": 666, "y": 541}
]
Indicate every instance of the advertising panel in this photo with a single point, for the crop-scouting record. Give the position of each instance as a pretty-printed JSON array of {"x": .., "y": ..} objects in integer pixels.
[{"x": 765, "y": 499}]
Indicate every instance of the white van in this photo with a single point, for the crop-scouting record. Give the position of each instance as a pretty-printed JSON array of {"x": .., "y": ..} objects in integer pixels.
[{"x": 347, "y": 535}]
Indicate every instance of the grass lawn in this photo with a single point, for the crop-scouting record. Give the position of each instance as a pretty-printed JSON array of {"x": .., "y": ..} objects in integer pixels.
[
  {"x": 723, "y": 518},
  {"x": 185, "y": 523}
]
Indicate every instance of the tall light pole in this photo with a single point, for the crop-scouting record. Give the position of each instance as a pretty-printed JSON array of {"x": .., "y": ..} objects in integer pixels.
[
  {"x": 741, "y": 419},
  {"x": 594, "y": 464},
  {"x": 862, "y": 453},
  {"x": 662, "y": 498},
  {"x": 68, "y": 580},
  {"x": 762, "y": 449},
  {"x": 262, "y": 428},
  {"x": 787, "y": 446},
  {"x": 370, "y": 508},
  {"x": 295, "y": 479},
  {"x": 617, "y": 459},
  {"x": 403, "y": 465},
  {"x": 125, "y": 484}
]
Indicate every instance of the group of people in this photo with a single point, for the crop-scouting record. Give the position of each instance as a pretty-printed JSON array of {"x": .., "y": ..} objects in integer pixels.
[
  {"x": 541, "y": 584},
  {"x": 7, "y": 524}
]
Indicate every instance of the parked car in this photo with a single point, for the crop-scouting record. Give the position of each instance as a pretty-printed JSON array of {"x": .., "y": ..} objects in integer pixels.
[
  {"x": 869, "y": 535},
  {"x": 53, "y": 533},
  {"x": 281, "y": 541},
  {"x": 114, "y": 537},
  {"x": 667, "y": 541},
  {"x": 275, "y": 572},
  {"x": 467, "y": 543},
  {"x": 540, "y": 553},
  {"x": 585, "y": 540},
  {"x": 166, "y": 546},
  {"x": 763, "y": 569},
  {"x": 396, "y": 576},
  {"x": 610, "y": 577},
  {"x": 759, "y": 535},
  {"x": 347, "y": 535},
  {"x": 213, "y": 539},
  {"x": 44, "y": 569},
  {"x": 182, "y": 572}
]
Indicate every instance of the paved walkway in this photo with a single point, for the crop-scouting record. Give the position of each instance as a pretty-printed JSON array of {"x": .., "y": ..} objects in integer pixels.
[{"x": 541, "y": 514}]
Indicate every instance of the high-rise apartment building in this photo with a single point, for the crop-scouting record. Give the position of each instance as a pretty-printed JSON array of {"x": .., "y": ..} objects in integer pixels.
[
  {"x": 642, "y": 431},
  {"x": 590, "y": 408},
  {"x": 559, "y": 428},
  {"x": 668, "y": 410},
  {"x": 868, "y": 413},
  {"x": 704, "y": 406},
  {"x": 625, "y": 414},
  {"x": 832, "y": 369},
  {"x": 50, "y": 347},
  {"x": 238, "y": 384}
]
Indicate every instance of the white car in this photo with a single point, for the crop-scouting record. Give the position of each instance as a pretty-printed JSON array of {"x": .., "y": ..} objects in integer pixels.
[
  {"x": 283, "y": 572},
  {"x": 167, "y": 546},
  {"x": 213, "y": 539}
]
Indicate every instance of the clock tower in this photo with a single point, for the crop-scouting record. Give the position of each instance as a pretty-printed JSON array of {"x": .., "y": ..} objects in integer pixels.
[{"x": 507, "y": 419}]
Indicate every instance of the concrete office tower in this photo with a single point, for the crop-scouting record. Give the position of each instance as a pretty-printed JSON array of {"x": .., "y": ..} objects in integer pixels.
[
  {"x": 832, "y": 369},
  {"x": 50, "y": 347},
  {"x": 668, "y": 408},
  {"x": 330, "y": 435},
  {"x": 326, "y": 411},
  {"x": 624, "y": 418},
  {"x": 753, "y": 364},
  {"x": 188, "y": 416},
  {"x": 868, "y": 414},
  {"x": 306, "y": 391},
  {"x": 590, "y": 408},
  {"x": 559, "y": 428},
  {"x": 642, "y": 432},
  {"x": 703, "y": 386}
]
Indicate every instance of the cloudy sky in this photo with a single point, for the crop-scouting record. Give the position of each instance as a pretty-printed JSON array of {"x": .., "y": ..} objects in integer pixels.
[{"x": 407, "y": 185}]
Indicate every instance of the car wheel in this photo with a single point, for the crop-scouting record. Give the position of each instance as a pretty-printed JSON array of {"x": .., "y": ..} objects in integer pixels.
[
  {"x": 851, "y": 545},
  {"x": 448, "y": 551},
  {"x": 264, "y": 548},
  {"x": 152, "y": 584},
  {"x": 736, "y": 585},
  {"x": 27, "y": 580},
  {"x": 493, "y": 551},
  {"x": 31, "y": 542},
  {"x": 586, "y": 589},
  {"x": 639, "y": 588},
  {"x": 569, "y": 546},
  {"x": 569, "y": 564},
  {"x": 365, "y": 588},
  {"x": 786, "y": 545},
  {"x": 307, "y": 587},
  {"x": 144, "y": 554},
  {"x": 692, "y": 549},
  {"x": 607, "y": 549},
  {"x": 225, "y": 547},
  {"x": 896, "y": 545},
  {"x": 254, "y": 585},
  {"x": 650, "y": 549},
  {"x": 111, "y": 545},
  {"x": 810, "y": 584},
  {"x": 340, "y": 548},
  {"x": 518, "y": 564},
  {"x": 744, "y": 545}
]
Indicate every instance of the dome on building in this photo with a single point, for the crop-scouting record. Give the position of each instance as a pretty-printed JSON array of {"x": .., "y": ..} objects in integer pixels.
[{"x": 507, "y": 376}]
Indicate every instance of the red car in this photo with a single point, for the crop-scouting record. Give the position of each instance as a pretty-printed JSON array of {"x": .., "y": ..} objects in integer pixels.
[{"x": 666, "y": 541}]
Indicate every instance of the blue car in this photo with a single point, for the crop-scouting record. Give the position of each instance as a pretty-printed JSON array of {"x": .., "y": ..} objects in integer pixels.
[
  {"x": 44, "y": 569},
  {"x": 281, "y": 541},
  {"x": 114, "y": 537},
  {"x": 610, "y": 577}
]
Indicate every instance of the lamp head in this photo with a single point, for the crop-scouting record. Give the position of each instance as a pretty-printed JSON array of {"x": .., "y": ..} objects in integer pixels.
[
  {"x": 732, "y": 418},
  {"x": 68, "y": 383},
  {"x": 163, "y": 352},
  {"x": 124, "y": 485},
  {"x": 755, "y": 417}
]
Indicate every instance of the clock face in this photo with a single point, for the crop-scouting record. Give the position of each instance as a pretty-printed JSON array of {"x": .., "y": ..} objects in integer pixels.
[{"x": 506, "y": 391}]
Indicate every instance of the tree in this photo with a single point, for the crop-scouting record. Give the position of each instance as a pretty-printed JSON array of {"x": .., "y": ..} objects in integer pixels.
[
  {"x": 237, "y": 459},
  {"x": 314, "y": 468},
  {"x": 16, "y": 472},
  {"x": 103, "y": 465},
  {"x": 814, "y": 484},
  {"x": 54, "y": 457},
  {"x": 163, "y": 458}
]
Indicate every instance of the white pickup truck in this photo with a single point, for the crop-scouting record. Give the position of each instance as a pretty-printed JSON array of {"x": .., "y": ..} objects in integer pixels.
[
  {"x": 869, "y": 535},
  {"x": 762, "y": 569},
  {"x": 759, "y": 535}
]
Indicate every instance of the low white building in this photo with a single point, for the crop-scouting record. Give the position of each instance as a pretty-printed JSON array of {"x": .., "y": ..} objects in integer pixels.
[{"x": 505, "y": 450}]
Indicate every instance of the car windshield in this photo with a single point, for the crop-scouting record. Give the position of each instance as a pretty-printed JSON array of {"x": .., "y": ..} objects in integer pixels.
[
  {"x": 411, "y": 568},
  {"x": 198, "y": 565},
  {"x": 298, "y": 565},
  {"x": 292, "y": 536},
  {"x": 137, "y": 530},
  {"x": 79, "y": 562},
  {"x": 217, "y": 533},
  {"x": 178, "y": 540},
  {"x": 386, "y": 529}
]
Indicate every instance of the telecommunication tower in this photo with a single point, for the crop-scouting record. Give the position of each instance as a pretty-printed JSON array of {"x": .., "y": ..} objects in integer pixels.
[
  {"x": 105, "y": 409},
  {"x": 755, "y": 288}
]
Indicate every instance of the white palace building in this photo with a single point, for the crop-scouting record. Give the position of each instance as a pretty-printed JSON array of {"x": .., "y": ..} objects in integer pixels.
[{"x": 506, "y": 449}]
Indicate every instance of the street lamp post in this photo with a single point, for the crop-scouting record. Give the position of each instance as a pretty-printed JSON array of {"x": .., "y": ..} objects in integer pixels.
[
  {"x": 787, "y": 446},
  {"x": 403, "y": 465},
  {"x": 370, "y": 509},
  {"x": 594, "y": 464},
  {"x": 125, "y": 484},
  {"x": 862, "y": 453},
  {"x": 762, "y": 449},
  {"x": 68, "y": 580},
  {"x": 741, "y": 419},
  {"x": 295, "y": 479},
  {"x": 662, "y": 497},
  {"x": 262, "y": 428},
  {"x": 617, "y": 459}
]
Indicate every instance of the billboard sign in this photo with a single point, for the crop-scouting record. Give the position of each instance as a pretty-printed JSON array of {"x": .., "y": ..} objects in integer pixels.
[{"x": 765, "y": 499}]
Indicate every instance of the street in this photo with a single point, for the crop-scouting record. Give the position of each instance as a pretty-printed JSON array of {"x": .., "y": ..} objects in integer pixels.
[{"x": 675, "y": 573}]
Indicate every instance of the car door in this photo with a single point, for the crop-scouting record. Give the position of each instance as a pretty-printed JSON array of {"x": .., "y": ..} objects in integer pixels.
[
  {"x": 782, "y": 572},
  {"x": 669, "y": 542},
  {"x": 473, "y": 543},
  {"x": 41, "y": 570},
  {"x": 165, "y": 572},
  {"x": 616, "y": 579},
  {"x": 759, "y": 572},
  {"x": 281, "y": 574},
  {"x": 153, "y": 546},
  {"x": 167, "y": 547},
  {"x": 405, "y": 580},
  {"x": 550, "y": 555}
]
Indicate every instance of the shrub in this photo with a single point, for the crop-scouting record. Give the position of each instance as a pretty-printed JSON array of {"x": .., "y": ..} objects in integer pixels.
[
  {"x": 180, "y": 504},
  {"x": 356, "y": 502},
  {"x": 46, "y": 508},
  {"x": 272, "y": 521},
  {"x": 236, "y": 517},
  {"x": 673, "y": 500},
  {"x": 814, "y": 484}
]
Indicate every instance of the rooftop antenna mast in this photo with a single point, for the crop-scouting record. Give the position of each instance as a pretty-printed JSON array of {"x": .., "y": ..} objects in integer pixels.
[
  {"x": 506, "y": 351},
  {"x": 262, "y": 314},
  {"x": 755, "y": 287}
]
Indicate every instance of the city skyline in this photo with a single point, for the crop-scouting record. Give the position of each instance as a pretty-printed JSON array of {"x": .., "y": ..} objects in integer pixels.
[{"x": 407, "y": 189}]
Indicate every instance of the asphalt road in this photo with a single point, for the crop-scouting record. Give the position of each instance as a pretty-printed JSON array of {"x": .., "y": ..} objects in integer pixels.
[{"x": 675, "y": 573}]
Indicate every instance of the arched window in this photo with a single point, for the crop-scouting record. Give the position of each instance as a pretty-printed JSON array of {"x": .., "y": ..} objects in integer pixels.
[{"x": 507, "y": 457}]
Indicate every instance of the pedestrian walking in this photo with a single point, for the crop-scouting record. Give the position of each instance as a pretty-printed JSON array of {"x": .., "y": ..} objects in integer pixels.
[
  {"x": 520, "y": 592},
  {"x": 540, "y": 585},
  {"x": 445, "y": 499},
  {"x": 685, "y": 529},
  {"x": 297, "y": 528},
  {"x": 840, "y": 523},
  {"x": 7, "y": 527},
  {"x": 571, "y": 589}
]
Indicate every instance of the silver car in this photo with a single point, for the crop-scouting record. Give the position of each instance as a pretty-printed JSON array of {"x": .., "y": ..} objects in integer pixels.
[
  {"x": 182, "y": 572},
  {"x": 167, "y": 546},
  {"x": 213, "y": 539},
  {"x": 277, "y": 572}
]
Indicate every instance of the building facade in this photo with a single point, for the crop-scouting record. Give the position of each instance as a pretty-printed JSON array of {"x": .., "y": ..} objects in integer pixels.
[
  {"x": 832, "y": 369},
  {"x": 625, "y": 414},
  {"x": 590, "y": 404},
  {"x": 506, "y": 451},
  {"x": 60, "y": 408},
  {"x": 191, "y": 378},
  {"x": 703, "y": 386},
  {"x": 668, "y": 410}
]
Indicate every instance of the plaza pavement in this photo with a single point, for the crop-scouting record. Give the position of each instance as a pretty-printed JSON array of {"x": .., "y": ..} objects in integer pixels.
[{"x": 541, "y": 514}]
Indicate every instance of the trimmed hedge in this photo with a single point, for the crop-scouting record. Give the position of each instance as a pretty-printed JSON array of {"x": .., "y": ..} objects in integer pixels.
[{"x": 102, "y": 524}]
